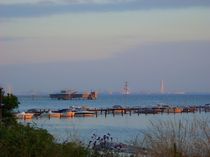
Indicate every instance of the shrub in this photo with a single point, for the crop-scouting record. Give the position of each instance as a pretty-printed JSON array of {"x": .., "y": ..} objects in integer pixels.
[
  {"x": 103, "y": 146},
  {"x": 26, "y": 141},
  {"x": 29, "y": 141}
]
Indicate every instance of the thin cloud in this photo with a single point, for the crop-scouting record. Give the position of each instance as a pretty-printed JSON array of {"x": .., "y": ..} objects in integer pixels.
[
  {"x": 10, "y": 39},
  {"x": 50, "y": 7},
  {"x": 63, "y": 1}
]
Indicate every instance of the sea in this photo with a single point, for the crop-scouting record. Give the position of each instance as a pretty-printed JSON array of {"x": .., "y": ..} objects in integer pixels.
[{"x": 123, "y": 129}]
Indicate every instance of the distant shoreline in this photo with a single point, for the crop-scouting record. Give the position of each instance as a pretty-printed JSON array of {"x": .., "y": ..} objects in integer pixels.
[{"x": 116, "y": 94}]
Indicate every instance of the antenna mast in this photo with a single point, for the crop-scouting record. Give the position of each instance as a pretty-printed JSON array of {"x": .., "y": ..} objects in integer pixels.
[{"x": 125, "y": 89}]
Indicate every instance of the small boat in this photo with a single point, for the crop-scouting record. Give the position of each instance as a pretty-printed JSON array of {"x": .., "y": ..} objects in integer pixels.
[
  {"x": 118, "y": 109},
  {"x": 147, "y": 110},
  {"x": 54, "y": 114},
  {"x": 189, "y": 109},
  {"x": 24, "y": 115},
  {"x": 66, "y": 113},
  {"x": 173, "y": 110},
  {"x": 28, "y": 116},
  {"x": 36, "y": 112},
  {"x": 84, "y": 113},
  {"x": 178, "y": 110}
]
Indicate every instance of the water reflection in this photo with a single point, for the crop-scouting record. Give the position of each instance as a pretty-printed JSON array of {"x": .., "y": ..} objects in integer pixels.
[{"x": 122, "y": 128}]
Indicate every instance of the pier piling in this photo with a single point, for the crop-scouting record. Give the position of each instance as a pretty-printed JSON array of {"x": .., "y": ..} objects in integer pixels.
[{"x": 113, "y": 112}]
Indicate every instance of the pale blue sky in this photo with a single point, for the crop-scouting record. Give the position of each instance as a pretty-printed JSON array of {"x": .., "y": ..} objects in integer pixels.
[{"x": 99, "y": 44}]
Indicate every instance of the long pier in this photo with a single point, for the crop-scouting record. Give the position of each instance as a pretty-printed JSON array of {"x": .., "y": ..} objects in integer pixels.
[
  {"x": 150, "y": 110},
  {"x": 128, "y": 110}
]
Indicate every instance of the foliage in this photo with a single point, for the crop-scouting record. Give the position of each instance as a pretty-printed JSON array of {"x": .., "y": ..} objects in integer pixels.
[
  {"x": 26, "y": 141},
  {"x": 103, "y": 146},
  {"x": 9, "y": 102},
  {"x": 17, "y": 140}
]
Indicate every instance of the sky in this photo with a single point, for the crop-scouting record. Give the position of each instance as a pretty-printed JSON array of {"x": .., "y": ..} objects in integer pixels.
[{"x": 49, "y": 45}]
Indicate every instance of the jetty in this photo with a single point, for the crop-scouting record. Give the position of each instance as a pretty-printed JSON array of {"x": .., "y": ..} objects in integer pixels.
[
  {"x": 115, "y": 110},
  {"x": 149, "y": 110}
]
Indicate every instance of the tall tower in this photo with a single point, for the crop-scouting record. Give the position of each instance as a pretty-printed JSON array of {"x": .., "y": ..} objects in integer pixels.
[
  {"x": 125, "y": 88},
  {"x": 162, "y": 90}
]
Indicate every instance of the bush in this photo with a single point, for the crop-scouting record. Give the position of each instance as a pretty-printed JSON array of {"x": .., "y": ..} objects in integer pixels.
[
  {"x": 29, "y": 141},
  {"x": 103, "y": 146},
  {"x": 26, "y": 141}
]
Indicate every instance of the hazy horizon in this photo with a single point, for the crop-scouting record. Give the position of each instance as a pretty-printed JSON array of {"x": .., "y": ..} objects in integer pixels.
[{"x": 49, "y": 45}]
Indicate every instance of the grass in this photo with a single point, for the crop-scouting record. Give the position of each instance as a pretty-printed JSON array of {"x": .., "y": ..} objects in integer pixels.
[
  {"x": 171, "y": 138},
  {"x": 165, "y": 138}
]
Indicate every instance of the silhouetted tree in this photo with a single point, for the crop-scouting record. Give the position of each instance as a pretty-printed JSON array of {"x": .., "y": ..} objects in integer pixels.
[{"x": 9, "y": 102}]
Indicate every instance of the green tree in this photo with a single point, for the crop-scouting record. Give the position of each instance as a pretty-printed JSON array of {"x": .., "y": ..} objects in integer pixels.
[
  {"x": 9, "y": 102},
  {"x": 21, "y": 140}
]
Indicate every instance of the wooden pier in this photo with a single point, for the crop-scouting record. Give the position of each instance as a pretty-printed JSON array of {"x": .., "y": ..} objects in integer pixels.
[
  {"x": 131, "y": 110},
  {"x": 149, "y": 110}
]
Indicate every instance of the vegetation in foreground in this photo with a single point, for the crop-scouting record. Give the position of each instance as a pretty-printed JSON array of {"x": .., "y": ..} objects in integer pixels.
[
  {"x": 162, "y": 139},
  {"x": 17, "y": 140},
  {"x": 176, "y": 138},
  {"x": 26, "y": 141},
  {"x": 29, "y": 141}
]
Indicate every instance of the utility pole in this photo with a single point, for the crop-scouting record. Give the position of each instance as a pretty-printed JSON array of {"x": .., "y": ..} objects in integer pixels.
[{"x": 1, "y": 94}]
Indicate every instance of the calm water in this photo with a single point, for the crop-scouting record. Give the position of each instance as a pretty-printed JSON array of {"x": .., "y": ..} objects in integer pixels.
[{"x": 122, "y": 128}]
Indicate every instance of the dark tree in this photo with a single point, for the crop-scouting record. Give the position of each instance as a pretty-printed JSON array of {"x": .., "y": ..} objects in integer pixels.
[{"x": 8, "y": 103}]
